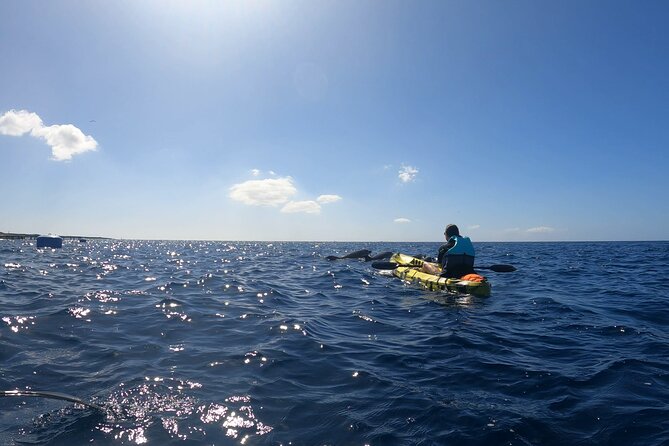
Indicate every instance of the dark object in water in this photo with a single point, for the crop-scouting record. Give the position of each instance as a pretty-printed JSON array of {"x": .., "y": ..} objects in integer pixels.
[
  {"x": 363, "y": 254},
  {"x": 49, "y": 241}
]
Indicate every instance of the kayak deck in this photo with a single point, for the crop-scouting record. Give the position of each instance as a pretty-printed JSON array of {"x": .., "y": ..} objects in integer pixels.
[{"x": 410, "y": 271}]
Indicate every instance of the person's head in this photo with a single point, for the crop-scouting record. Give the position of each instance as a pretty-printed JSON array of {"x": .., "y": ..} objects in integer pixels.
[{"x": 451, "y": 230}]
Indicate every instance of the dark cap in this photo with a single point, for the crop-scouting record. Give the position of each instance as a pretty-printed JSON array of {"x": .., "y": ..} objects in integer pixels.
[{"x": 452, "y": 230}]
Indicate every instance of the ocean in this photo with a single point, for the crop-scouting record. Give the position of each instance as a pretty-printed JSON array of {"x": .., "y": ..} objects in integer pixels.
[{"x": 258, "y": 343}]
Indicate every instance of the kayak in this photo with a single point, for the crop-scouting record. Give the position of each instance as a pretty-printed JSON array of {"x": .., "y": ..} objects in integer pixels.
[{"x": 409, "y": 269}]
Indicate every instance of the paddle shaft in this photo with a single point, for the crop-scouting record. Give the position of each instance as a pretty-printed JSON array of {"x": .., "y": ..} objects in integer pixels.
[
  {"x": 501, "y": 268},
  {"x": 52, "y": 395}
]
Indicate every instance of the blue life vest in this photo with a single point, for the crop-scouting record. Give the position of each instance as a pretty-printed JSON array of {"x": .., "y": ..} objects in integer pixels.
[
  {"x": 463, "y": 245},
  {"x": 459, "y": 260}
]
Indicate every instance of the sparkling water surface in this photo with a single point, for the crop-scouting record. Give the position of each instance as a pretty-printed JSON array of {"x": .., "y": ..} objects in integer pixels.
[{"x": 226, "y": 343}]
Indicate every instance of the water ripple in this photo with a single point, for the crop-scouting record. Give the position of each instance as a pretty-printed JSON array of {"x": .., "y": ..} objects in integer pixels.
[{"x": 269, "y": 343}]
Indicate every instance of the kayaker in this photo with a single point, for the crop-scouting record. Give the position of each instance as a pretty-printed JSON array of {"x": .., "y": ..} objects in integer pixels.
[{"x": 456, "y": 257}]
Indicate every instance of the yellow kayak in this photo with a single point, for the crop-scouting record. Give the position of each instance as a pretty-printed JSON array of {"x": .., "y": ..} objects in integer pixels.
[{"x": 409, "y": 269}]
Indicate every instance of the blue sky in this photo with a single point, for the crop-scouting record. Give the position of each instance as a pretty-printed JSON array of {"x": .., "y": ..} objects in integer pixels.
[{"x": 335, "y": 120}]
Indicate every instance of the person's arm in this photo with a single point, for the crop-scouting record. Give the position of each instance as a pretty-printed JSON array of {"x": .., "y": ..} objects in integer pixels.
[{"x": 442, "y": 251}]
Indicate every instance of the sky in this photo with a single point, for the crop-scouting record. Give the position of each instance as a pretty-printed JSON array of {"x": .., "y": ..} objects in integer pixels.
[{"x": 343, "y": 120}]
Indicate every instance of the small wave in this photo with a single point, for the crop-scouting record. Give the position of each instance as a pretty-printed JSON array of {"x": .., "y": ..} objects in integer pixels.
[{"x": 271, "y": 343}]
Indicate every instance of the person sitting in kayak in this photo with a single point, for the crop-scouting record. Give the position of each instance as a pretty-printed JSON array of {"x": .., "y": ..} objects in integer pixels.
[{"x": 456, "y": 257}]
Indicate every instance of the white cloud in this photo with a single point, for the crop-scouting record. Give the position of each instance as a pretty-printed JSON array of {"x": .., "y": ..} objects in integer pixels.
[
  {"x": 325, "y": 199},
  {"x": 309, "y": 207},
  {"x": 65, "y": 140},
  {"x": 402, "y": 220},
  {"x": 277, "y": 192},
  {"x": 16, "y": 123},
  {"x": 268, "y": 192},
  {"x": 541, "y": 229},
  {"x": 255, "y": 172},
  {"x": 407, "y": 173},
  {"x": 473, "y": 227}
]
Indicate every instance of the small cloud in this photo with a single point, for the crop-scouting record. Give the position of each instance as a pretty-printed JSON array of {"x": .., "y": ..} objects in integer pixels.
[
  {"x": 402, "y": 220},
  {"x": 268, "y": 192},
  {"x": 308, "y": 207},
  {"x": 387, "y": 166},
  {"x": 65, "y": 140},
  {"x": 274, "y": 192},
  {"x": 325, "y": 199},
  {"x": 255, "y": 172},
  {"x": 407, "y": 174},
  {"x": 474, "y": 227},
  {"x": 16, "y": 123},
  {"x": 541, "y": 229}
]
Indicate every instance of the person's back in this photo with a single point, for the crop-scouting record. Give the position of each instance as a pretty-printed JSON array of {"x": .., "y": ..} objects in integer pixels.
[{"x": 457, "y": 255}]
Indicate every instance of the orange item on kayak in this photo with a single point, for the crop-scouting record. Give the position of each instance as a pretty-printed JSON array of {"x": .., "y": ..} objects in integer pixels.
[{"x": 473, "y": 278}]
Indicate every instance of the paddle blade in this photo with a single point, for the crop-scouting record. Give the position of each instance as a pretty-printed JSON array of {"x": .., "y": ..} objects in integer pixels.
[
  {"x": 52, "y": 395},
  {"x": 499, "y": 268},
  {"x": 384, "y": 265}
]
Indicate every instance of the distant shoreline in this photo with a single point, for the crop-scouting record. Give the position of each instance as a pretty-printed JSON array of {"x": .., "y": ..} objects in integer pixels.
[{"x": 15, "y": 236}]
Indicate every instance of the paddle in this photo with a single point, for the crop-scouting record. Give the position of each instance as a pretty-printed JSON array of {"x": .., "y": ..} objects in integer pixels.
[
  {"x": 52, "y": 395},
  {"x": 384, "y": 265},
  {"x": 363, "y": 254},
  {"x": 497, "y": 268}
]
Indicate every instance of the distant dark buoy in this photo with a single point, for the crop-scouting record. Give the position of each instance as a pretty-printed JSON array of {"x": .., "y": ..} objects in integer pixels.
[{"x": 49, "y": 241}]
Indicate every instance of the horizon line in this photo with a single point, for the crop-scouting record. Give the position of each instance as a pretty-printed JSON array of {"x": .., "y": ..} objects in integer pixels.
[{"x": 10, "y": 236}]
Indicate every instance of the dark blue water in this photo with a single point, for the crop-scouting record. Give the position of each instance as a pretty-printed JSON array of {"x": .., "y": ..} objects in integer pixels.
[{"x": 269, "y": 343}]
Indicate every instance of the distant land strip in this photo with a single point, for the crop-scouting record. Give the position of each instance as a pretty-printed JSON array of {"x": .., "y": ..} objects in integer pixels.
[{"x": 14, "y": 235}]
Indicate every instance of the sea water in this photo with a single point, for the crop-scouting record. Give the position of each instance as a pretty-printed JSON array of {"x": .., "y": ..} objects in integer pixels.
[{"x": 227, "y": 343}]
